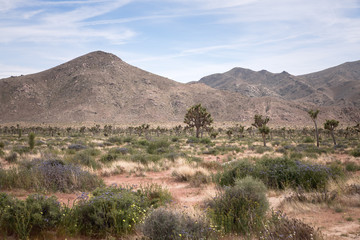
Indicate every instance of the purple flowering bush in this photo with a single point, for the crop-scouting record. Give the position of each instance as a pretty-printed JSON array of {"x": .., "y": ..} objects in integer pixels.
[{"x": 49, "y": 175}]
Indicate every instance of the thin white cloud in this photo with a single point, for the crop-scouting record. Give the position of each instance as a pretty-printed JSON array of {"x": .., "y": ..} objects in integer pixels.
[{"x": 10, "y": 70}]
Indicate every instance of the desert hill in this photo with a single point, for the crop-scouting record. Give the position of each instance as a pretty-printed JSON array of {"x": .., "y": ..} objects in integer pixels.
[
  {"x": 100, "y": 87},
  {"x": 337, "y": 86}
]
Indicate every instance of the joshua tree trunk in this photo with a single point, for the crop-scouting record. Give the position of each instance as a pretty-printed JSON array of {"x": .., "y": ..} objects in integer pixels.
[
  {"x": 333, "y": 137},
  {"x": 316, "y": 134},
  {"x": 197, "y": 131},
  {"x": 264, "y": 138}
]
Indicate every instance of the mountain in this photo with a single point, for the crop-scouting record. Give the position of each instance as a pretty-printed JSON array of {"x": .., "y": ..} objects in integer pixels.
[
  {"x": 100, "y": 87},
  {"x": 340, "y": 83},
  {"x": 337, "y": 86}
]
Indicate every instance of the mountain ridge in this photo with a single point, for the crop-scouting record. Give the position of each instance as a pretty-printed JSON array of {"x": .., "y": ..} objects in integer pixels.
[{"x": 100, "y": 87}]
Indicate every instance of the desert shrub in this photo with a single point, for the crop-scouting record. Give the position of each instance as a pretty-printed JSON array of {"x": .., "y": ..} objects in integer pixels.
[
  {"x": 2, "y": 145},
  {"x": 213, "y": 165},
  {"x": 355, "y": 152},
  {"x": 115, "y": 210},
  {"x": 49, "y": 175},
  {"x": 120, "y": 150},
  {"x": 211, "y": 151},
  {"x": 45, "y": 212},
  {"x": 142, "y": 142},
  {"x": 158, "y": 146},
  {"x": 296, "y": 155},
  {"x": 172, "y": 156},
  {"x": 193, "y": 140},
  {"x": 166, "y": 224},
  {"x": 77, "y": 147},
  {"x": 108, "y": 211},
  {"x": 195, "y": 176},
  {"x": 205, "y": 140},
  {"x": 280, "y": 173},
  {"x": 262, "y": 149},
  {"x": 175, "y": 139},
  {"x": 238, "y": 169},
  {"x": 109, "y": 157},
  {"x": 280, "y": 227},
  {"x": 227, "y": 148},
  {"x": 20, "y": 149},
  {"x": 199, "y": 140},
  {"x": 84, "y": 158},
  {"x": 240, "y": 208},
  {"x": 32, "y": 216},
  {"x": 115, "y": 139},
  {"x": 352, "y": 167},
  {"x": 1, "y": 153},
  {"x": 145, "y": 159},
  {"x": 353, "y": 189},
  {"x": 308, "y": 139},
  {"x": 12, "y": 157},
  {"x": 155, "y": 195},
  {"x": 128, "y": 139},
  {"x": 312, "y": 197}
]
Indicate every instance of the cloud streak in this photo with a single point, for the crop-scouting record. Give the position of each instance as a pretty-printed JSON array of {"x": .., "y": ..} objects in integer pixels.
[{"x": 199, "y": 35}]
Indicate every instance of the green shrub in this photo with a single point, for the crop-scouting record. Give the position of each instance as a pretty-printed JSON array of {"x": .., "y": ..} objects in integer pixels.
[
  {"x": 109, "y": 157},
  {"x": 128, "y": 139},
  {"x": 205, "y": 140},
  {"x": 280, "y": 227},
  {"x": 112, "y": 210},
  {"x": 158, "y": 146},
  {"x": 117, "y": 140},
  {"x": 2, "y": 145},
  {"x": 30, "y": 217},
  {"x": 240, "y": 208},
  {"x": 308, "y": 139},
  {"x": 352, "y": 167},
  {"x": 12, "y": 158},
  {"x": 20, "y": 149},
  {"x": 166, "y": 224},
  {"x": 280, "y": 173},
  {"x": 145, "y": 158},
  {"x": 155, "y": 195},
  {"x": 296, "y": 155},
  {"x": 355, "y": 152},
  {"x": 262, "y": 149},
  {"x": 175, "y": 139},
  {"x": 199, "y": 140},
  {"x": 84, "y": 158},
  {"x": 238, "y": 169}
]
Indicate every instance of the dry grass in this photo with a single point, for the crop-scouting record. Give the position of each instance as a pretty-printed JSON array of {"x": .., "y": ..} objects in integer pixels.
[{"x": 185, "y": 173}]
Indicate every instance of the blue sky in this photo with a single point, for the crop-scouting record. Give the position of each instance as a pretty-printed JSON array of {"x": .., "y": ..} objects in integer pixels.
[{"x": 183, "y": 40}]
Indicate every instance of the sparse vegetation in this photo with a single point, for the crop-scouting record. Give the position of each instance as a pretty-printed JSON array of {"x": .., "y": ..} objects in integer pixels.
[{"x": 74, "y": 160}]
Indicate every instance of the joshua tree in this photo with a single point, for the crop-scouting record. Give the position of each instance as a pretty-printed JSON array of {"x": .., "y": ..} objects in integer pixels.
[
  {"x": 198, "y": 117},
  {"x": 313, "y": 114},
  {"x": 260, "y": 124},
  {"x": 31, "y": 141},
  {"x": 331, "y": 125}
]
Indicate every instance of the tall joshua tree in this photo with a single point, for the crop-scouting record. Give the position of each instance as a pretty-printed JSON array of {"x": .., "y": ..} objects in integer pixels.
[
  {"x": 331, "y": 125},
  {"x": 198, "y": 117},
  {"x": 260, "y": 124},
  {"x": 313, "y": 114}
]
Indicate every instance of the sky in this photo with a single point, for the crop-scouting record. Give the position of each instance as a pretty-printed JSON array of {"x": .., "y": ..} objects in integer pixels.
[{"x": 183, "y": 40}]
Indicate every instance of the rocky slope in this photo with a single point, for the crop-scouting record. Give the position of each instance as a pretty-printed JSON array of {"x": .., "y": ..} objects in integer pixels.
[{"x": 100, "y": 87}]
